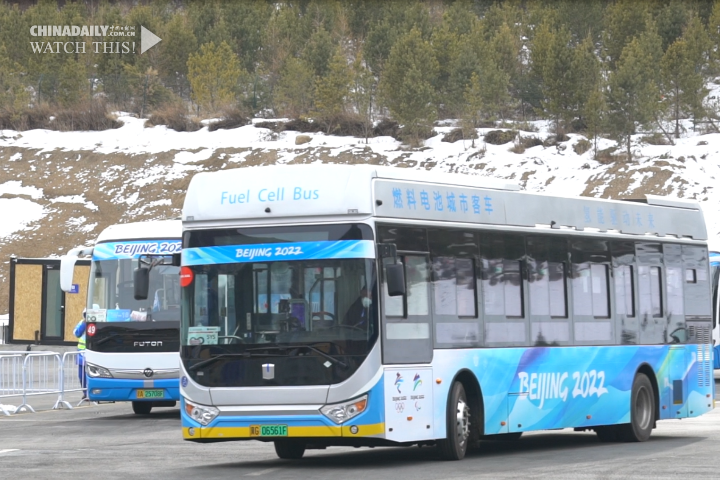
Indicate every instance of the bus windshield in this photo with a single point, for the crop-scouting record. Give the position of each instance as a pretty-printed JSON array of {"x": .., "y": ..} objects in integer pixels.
[
  {"x": 111, "y": 293},
  {"x": 280, "y": 291}
]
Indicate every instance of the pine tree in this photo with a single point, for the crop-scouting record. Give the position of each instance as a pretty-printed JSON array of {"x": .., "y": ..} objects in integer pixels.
[
  {"x": 553, "y": 64},
  {"x": 624, "y": 20},
  {"x": 364, "y": 87},
  {"x": 677, "y": 73},
  {"x": 472, "y": 113},
  {"x": 407, "y": 85},
  {"x": 247, "y": 28},
  {"x": 293, "y": 95},
  {"x": 178, "y": 43},
  {"x": 14, "y": 97},
  {"x": 594, "y": 114},
  {"x": 73, "y": 83},
  {"x": 586, "y": 68},
  {"x": 318, "y": 51},
  {"x": 633, "y": 87},
  {"x": 671, "y": 19},
  {"x": 445, "y": 45},
  {"x": 331, "y": 91},
  {"x": 699, "y": 50},
  {"x": 214, "y": 75}
]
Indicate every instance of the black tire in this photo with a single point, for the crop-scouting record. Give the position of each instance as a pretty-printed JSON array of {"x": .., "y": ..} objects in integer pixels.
[
  {"x": 455, "y": 445},
  {"x": 642, "y": 412},
  {"x": 142, "y": 408},
  {"x": 289, "y": 450}
]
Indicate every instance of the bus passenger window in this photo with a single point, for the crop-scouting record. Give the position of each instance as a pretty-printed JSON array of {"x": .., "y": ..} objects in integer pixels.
[
  {"x": 416, "y": 277},
  {"x": 675, "y": 299},
  {"x": 590, "y": 290},
  {"x": 558, "y": 290},
  {"x": 467, "y": 305},
  {"x": 624, "y": 291},
  {"x": 649, "y": 289},
  {"x": 444, "y": 286}
]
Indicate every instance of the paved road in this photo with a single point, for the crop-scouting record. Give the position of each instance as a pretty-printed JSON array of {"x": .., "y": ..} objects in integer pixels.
[{"x": 110, "y": 442}]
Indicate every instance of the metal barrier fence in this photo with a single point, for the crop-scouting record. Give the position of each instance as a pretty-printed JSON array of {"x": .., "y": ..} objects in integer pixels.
[
  {"x": 4, "y": 329},
  {"x": 29, "y": 374}
]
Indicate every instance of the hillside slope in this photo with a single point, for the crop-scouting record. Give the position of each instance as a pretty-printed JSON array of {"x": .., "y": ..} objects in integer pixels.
[{"x": 60, "y": 189}]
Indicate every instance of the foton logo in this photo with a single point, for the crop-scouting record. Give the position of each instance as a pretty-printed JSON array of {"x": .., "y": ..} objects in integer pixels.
[{"x": 147, "y": 344}]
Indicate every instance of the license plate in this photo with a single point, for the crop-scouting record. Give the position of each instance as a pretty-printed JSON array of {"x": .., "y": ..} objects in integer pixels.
[
  {"x": 268, "y": 430},
  {"x": 150, "y": 393}
]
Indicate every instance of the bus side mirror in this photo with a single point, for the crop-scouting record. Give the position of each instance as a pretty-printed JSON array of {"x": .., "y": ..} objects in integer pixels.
[
  {"x": 176, "y": 260},
  {"x": 141, "y": 282},
  {"x": 395, "y": 279}
]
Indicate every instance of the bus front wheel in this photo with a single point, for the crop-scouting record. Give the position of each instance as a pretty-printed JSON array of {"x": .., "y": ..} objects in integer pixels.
[
  {"x": 454, "y": 446},
  {"x": 289, "y": 450},
  {"x": 142, "y": 408},
  {"x": 642, "y": 411}
]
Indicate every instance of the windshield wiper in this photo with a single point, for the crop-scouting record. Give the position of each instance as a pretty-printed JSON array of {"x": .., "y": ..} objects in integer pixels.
[
  {"x": 230, "y": 355},
  {"x": 309, "y": 347}
]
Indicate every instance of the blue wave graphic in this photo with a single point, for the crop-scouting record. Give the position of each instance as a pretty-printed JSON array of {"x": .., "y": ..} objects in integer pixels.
[
  {"x": 271, "y": 252},
  {"x": 133, "y": 249}
]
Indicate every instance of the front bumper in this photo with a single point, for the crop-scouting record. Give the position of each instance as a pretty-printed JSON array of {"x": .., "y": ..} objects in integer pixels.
[
  {"x": 124, "y": 390},
  {"x": 236, "y": 427}
]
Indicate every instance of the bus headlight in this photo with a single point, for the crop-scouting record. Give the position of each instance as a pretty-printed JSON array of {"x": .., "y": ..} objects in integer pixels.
[
  {"x": 342, "y": 412},
  {"x": 202, "y": 414},
  {"x": 96, "y": 371}
]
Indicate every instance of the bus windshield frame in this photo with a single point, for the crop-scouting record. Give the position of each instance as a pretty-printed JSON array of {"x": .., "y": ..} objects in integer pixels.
[{"x": 301, "y": 295}]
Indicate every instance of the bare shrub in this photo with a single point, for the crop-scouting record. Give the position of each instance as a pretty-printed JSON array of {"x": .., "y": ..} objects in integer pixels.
[
  {"x": 529, "y": 142},
  {"x": 175, "y": 117},
  {"x": 387, "y": 128},
  {"x": 230, "y": 118},
  {"x": 655, "y": 139},
  {"x": 457, "y": 134},
  {"x": 582, "y": 146},
  {"x": 89, "y": 115},
  {"x": 500, "y": 137}
]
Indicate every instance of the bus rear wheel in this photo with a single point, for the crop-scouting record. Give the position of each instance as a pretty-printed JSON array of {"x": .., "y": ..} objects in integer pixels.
[
  {"x": 142, "y": 408},
  {"x": 454, "y": 446},
  {"x": 289, "y": 450},
  {"x": 642, "y": 411}
]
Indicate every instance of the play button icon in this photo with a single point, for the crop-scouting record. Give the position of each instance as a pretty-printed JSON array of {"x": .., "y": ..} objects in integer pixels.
[{"x": 147, "y": 39}]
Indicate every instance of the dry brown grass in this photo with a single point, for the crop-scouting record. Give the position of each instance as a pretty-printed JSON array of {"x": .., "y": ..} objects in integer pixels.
[{"x": 175, "y": 117}]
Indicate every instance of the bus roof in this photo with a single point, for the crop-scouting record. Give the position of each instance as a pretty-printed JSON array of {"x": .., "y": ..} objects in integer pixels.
[
  {"x": 154, "y": 229},
  {"x": 304, "y": 192}
]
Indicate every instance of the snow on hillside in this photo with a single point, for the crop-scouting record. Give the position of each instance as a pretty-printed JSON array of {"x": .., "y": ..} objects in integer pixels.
[{"x": 58, "y": 189}]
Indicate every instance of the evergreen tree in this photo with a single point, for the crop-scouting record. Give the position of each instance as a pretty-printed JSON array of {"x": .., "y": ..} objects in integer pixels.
[
  {"x": 363, "y": 92},
  {"x": 294, "y": 92},
  {"x": 178, "y": 43},
  {"x": 552, "y": 62},
  {"x": 445, "y": 45},
  {"x": 472, "y": 112},
  {"x": 594, "y": 113},
  {"x": 331, "y": 91},
  {"x": 633, "y": 86},
  {"x": 14, "y": 96},
  {"x": 624, "y": 20},
  {"x": 318, "y": 51},
  {"x": 73, "y": 83},
  {"x": 699, "y": 50},
  {"x": 671, "y": 19},
  {"x": 214, "y": 75},
  {"x": 586, "y": 68},
  {"x": 407, "y": 84},
  {"x": 247, "y": 28}
]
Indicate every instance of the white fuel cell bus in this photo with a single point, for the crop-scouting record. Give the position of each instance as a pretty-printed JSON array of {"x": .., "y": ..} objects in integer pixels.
[
  {"x": 328, "y": 305},
  {"x": 132, "y": 342}
]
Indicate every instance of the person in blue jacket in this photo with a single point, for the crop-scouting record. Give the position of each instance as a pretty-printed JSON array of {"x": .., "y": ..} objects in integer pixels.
[{"x": 80, "y": 334}]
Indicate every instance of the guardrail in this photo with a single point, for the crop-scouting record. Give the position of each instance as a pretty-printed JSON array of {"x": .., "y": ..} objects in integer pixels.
[{"x": 29, "y": 374}]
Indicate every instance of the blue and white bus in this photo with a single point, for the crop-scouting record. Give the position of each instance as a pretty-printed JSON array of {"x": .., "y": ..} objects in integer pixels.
[
  {"x": 132, "y": 345},
  {"x": 327, "y": 305}
]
